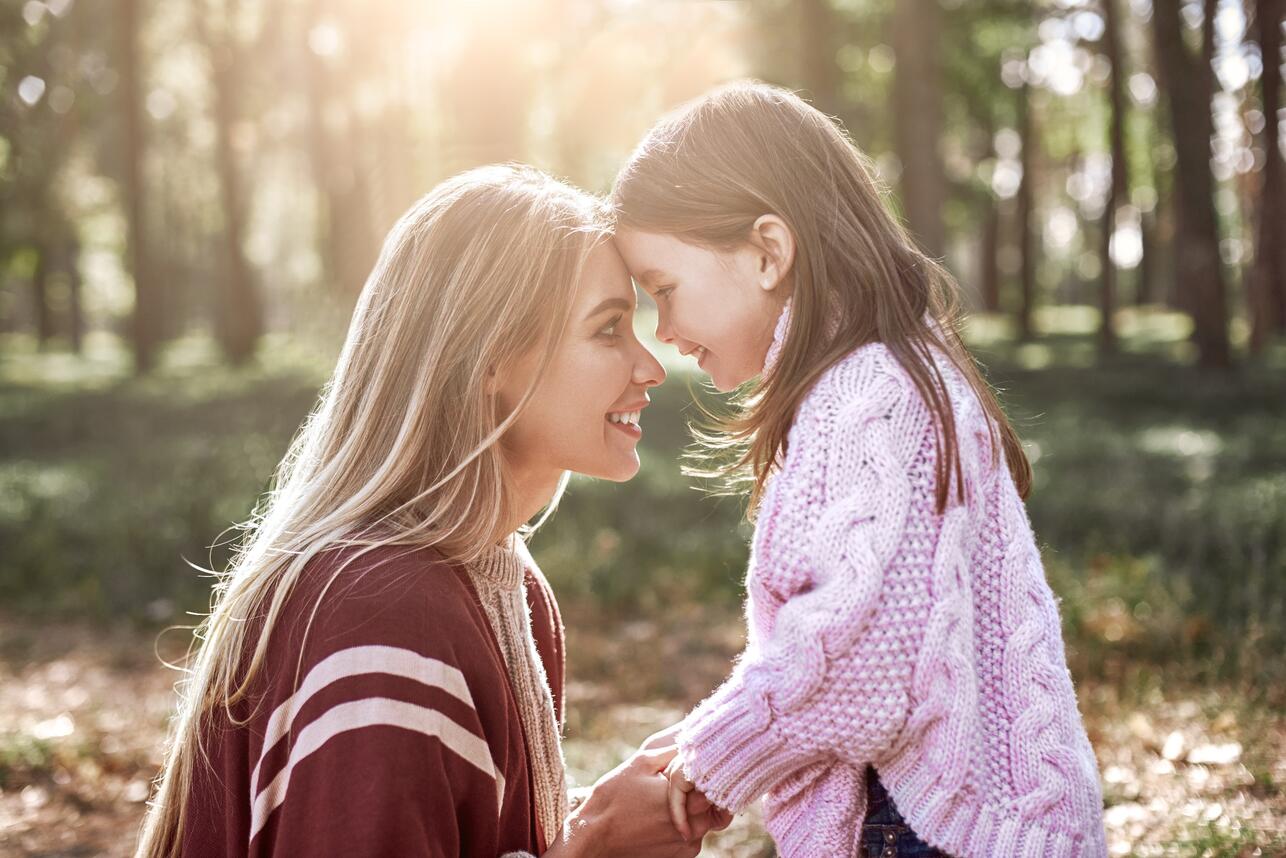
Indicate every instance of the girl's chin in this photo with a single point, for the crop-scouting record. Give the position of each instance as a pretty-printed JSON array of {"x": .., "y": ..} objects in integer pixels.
[
  {"x": 725, "y": 385},
  {"x": 723, "y": 381}
]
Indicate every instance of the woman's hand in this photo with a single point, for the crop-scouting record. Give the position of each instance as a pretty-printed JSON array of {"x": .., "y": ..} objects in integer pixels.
[
  {"x": 625, "y": 814},
  {"x": 663, "y": 738}
]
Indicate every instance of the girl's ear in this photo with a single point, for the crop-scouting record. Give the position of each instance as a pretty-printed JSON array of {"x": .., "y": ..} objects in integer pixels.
[{"x": 775, "y": 244}]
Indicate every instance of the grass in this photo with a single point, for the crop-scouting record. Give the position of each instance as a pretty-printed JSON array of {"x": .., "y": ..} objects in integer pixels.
[{"x": 1188, "y": 770}]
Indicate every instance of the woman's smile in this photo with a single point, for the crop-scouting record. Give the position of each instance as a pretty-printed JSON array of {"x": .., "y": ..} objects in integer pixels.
[{"x": 626, "y": 420}]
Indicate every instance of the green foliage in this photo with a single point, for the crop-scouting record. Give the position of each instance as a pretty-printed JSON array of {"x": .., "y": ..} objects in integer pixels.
[
  {"x": 107, "y": 485},
  {"x": 21, "y": 756},
  {"x": 1160, "y": 495},
  {"x": 1224, "y": 838}
]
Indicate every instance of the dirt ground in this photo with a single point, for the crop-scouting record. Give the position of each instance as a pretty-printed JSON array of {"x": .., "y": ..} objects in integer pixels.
[{"x": 1197, "y": 771}]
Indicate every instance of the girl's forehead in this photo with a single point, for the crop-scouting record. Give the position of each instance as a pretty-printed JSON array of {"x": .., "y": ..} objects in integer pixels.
[{"x": 650, "y": 253}]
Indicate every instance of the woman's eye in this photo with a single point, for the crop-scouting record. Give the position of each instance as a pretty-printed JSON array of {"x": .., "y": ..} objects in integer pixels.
[{"x": 609, "y": 330}]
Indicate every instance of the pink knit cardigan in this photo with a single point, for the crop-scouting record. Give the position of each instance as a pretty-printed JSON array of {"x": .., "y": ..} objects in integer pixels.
[{"x": 881, "y": 632}]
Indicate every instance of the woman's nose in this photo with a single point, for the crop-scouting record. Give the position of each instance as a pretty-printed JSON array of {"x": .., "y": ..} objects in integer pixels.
[{"x": 648, "y": 371}]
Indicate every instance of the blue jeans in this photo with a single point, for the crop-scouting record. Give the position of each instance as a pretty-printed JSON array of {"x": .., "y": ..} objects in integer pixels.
[{"x": 885, "y": 834}]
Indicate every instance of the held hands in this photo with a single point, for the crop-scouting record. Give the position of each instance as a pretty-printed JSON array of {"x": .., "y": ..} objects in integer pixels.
[
  {"x": 627, "y": 812},
  {"x": 611, "y": 820},
  {"x": 624, "y": 814},
  {"x": 692, "y": 813}
]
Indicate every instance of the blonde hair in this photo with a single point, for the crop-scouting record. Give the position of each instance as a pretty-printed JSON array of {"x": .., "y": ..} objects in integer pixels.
[
  {"x": 401, "y": 448},
  {"x": 708, "y": 171}
]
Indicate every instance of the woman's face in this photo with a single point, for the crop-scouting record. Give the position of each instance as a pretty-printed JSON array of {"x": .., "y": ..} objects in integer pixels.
[
  {"x": 711, "y": 304},
  {"x": 584, "y": 413}
]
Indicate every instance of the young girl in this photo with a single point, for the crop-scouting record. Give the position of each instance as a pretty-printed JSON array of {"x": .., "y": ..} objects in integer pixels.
[
  {"x": 382, "y": 670},
  {"x": 904, "y": 690}
]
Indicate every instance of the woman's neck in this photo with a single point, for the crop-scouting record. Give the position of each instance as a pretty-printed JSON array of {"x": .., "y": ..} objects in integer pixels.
[{"x": 529, "y": 493}]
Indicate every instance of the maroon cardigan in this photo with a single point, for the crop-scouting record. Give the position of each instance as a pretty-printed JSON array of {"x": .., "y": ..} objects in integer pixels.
[{"x": 394, "y": 729}]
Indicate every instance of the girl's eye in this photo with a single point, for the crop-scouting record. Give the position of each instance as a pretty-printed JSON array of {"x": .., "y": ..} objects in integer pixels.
[
  {"x": 664, "y": 293},
  {"x": 609, "y": 330}
]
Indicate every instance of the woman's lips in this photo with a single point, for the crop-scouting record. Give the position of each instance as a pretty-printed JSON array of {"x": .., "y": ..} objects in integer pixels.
[
  {"x": 628, "y": 428},
  {"x": 627, "y": 419}
]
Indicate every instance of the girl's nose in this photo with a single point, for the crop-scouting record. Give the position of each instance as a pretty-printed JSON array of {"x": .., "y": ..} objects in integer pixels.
[{"x": 664, "y": 332}]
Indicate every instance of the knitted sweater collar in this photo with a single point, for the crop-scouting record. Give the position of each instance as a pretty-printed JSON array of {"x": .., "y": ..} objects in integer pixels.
[
  {"x": 778, "y": 338},
  {"x": 502, "y": 566}
]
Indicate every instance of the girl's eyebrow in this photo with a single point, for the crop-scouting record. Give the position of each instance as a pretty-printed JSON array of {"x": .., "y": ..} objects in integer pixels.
[
  {"x": 650, "y": 277},
  {"x": 609, "y": 304}
]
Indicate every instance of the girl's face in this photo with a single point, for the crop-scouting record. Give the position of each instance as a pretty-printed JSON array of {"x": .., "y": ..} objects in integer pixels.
[
  {"x": 721, "y": 307},
  {"x": 584, "y": 413}
]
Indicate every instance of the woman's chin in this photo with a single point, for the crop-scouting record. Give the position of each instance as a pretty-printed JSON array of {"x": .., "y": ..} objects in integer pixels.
[{"x": 621, "y": 471}]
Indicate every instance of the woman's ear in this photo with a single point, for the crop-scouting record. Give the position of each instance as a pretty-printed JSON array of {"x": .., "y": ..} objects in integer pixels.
[
  {"x": 493, "y": 382},
  {"x": 775, "y": 244}
]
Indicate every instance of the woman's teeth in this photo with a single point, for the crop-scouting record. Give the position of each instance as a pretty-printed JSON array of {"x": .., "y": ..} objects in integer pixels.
[{"x": 630, "y": 417}]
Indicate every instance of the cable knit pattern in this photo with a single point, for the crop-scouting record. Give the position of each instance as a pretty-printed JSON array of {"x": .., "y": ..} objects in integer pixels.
[
  {"x": 498, "y": 577},
  {"x": 882, "y": 632}
]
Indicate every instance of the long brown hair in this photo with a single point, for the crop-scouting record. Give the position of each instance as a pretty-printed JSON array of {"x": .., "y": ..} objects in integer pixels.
[
  {"x": 402, "y": 446},
  {"x": 708, "y": 171}
]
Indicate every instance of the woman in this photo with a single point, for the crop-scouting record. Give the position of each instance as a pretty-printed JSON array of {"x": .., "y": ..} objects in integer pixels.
[{"x": 382, "y": 669}]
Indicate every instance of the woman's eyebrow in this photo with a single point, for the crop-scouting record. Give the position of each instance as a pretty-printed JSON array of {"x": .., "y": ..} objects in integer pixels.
[{"x": 609, "y": 304}]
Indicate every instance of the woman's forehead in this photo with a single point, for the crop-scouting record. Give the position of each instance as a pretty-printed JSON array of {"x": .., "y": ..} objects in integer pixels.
[{"x": 605, "y": 276}]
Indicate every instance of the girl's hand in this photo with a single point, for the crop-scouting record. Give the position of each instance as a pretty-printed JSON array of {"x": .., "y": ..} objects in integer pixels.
[
  {"x": 692, "y": 813},
  {"x": 680, "y": 786},
  {"x": 705, "y": 816}
]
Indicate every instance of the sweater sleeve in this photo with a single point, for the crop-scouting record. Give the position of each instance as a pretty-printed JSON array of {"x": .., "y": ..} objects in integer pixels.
[
  {"x": 808, "y": 692},
  {"x": 386, "y": 758}
]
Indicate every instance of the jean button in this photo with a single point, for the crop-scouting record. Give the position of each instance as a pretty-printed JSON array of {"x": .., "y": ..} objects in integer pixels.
[
  {"x": 889, "y": 852},
  {"x": 890, "y": 837}
]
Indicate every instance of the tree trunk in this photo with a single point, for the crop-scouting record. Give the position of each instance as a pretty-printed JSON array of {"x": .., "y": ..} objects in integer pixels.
[
  {"x": 346, "y": 241},
  {"x": 40, "y": 295},
  {"x": 1187, "y": 83},
  {"x": 917, "y": 119},
  {"x": 1143, "y": 290},
  {"x": 1026, "y": 232},
  {"x": 238, "y": 306},
  {"x": 1268, "y": 277},
  {"x": 148, "y": 312},
  {"x": 989, "y": 258},
  {"x": 1118, "y": 186},
  {"x": 75, "y": 307},
  {"x": 819, "y": 71}
]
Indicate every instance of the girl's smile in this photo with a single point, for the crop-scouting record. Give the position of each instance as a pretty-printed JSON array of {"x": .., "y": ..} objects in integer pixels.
[{"x": 717, "y": 306}]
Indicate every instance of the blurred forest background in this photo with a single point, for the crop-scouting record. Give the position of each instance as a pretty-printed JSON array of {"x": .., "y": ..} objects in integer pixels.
[{"x": 191, "y": 195}]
